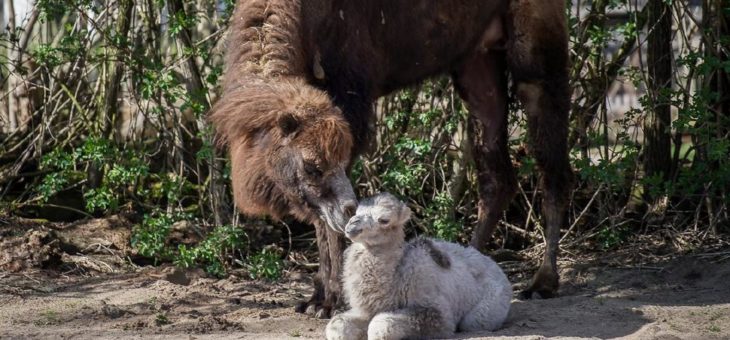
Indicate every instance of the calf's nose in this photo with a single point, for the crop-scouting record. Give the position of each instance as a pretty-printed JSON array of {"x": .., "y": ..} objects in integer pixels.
[{"x": 352, "y": 230}]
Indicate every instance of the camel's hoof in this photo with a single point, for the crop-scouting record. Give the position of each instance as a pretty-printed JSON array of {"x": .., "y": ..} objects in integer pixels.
[
  {"x": 337, "y": 311},
  {"x": 315, "y": 310},
  {"x": 544, "y": 284},
  {"x": 528, "y": 294},
  {"x": 301, "y": 307},
  {"x": 323, "y": 313}
]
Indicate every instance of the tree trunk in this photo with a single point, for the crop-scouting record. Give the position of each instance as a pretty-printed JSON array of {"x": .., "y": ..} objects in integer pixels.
[
  {"x": 721, "y": 79},
  {"x": 19, "y": 96},
  {"x": 716, "y": 24},
  {"x": 4, "y": 115},
  {"x": 195, "y": 84},
  {"x": 197, "y": 90},
  {"x": 107, "y": 112},
  {"x": 13, "y": 81},
  {"x": 582, "y": 115},
  {"x": 657, "y": 123}
]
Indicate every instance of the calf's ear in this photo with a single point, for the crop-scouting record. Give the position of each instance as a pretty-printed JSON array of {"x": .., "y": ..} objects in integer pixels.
[{"x": 405, "y": 214}]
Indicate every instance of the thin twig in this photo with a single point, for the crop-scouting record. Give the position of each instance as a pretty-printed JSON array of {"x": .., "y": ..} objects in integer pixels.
[{"x": 583, "y": 212}]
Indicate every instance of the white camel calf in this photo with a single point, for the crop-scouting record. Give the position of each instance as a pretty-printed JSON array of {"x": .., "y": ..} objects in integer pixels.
[{"x": 420, "y": 289}]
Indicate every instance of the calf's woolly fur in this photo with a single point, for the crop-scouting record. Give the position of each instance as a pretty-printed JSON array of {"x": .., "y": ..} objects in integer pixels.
[{"x": 423, "y": 288}]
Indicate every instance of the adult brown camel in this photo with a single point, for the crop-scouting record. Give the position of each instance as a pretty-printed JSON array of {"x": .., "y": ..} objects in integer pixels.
[{"x": 301, "y": 78}]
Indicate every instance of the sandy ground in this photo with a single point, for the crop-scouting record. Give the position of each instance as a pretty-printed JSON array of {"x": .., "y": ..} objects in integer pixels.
[{"x": 685, "y": 297}]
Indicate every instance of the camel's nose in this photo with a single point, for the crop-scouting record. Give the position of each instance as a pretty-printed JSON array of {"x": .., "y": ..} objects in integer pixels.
[{"x": 349, "y": 208}]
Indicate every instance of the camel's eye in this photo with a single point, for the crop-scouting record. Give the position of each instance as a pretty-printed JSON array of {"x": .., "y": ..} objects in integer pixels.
[
  {"x": 312, "y": 170},
  {"x": 383, "y": 220}
]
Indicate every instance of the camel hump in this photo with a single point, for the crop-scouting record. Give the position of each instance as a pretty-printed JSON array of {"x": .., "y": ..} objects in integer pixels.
[{"x": 437, "y": 255}]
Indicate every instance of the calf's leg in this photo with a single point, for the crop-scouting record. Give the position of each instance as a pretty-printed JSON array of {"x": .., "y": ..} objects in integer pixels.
[
  {"x": 347, "y": 326},
  {"x": 487, "y": 315},
  {"x": 414, "y": 322}
]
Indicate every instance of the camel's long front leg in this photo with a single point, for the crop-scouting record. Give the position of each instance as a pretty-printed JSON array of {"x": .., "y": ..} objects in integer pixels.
[
  {"x": 326, "y": 290},
  {"x": 333, "y": 288}
]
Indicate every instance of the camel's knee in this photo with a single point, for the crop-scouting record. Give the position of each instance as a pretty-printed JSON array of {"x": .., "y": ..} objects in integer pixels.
[
  {"x": 498, "y": 188},
  {"x": 495, "y": 173},
  {"x": 343, "y": 328}
]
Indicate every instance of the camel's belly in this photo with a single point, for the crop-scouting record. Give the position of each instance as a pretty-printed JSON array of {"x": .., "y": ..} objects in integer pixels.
[
  {"x": 433, "y": 38},
  {"x": 395, "y": 43}
]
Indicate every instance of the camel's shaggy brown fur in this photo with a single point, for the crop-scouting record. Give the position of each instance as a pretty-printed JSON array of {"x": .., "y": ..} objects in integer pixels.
[
  {"x": 263, "y": 40},
  {"x": 301, "y": 78},
  {"x": 248, "y": 117}
]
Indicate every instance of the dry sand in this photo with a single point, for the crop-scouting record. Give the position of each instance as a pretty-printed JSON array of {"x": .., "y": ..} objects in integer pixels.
[{"x": 684, "y": 297}]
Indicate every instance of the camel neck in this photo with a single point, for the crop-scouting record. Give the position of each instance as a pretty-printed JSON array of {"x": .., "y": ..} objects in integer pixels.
[{"x": 387, "y": 255}]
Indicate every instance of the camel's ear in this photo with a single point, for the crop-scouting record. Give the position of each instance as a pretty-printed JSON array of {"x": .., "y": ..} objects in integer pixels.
[{"x": 287, "y": 123}]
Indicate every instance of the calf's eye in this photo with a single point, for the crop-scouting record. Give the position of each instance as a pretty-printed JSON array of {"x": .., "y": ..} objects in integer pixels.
[{"x": 383, "y": 220}]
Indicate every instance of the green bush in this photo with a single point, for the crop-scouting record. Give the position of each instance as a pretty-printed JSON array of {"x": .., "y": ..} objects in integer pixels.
[
  {"x": 73, "y": 142},
  {"x": 221, "y": 247},
  {"x": 265, "y": 264}
]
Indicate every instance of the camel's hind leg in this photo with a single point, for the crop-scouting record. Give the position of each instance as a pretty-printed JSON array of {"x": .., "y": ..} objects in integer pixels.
[
  {"x": 482, "y": 83},
  {"x": 487, "y": 315},
  {"x": 538, "y": 62}
]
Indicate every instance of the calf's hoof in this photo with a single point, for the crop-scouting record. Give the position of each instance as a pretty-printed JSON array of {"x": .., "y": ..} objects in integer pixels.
[
  {"x": 340, "y": 328},
  {"x": 383, "y": 328}
]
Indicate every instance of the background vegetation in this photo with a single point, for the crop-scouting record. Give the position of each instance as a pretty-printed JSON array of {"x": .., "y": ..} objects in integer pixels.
[{"x": 103, "y": 110}]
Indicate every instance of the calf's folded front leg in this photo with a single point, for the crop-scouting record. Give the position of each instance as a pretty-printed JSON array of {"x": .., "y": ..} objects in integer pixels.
[
  {"x": 410, "y": 322},
  {"x": 347, "y": 326}
]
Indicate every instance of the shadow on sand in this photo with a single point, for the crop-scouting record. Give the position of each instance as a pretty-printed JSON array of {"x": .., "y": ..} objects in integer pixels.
[{"x": 684, "y": 298}]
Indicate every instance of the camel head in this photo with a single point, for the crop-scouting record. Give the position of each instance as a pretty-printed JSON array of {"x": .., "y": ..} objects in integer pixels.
[
  {"x": 290, "y": 148},
  {"x": 379, "y": 220}
]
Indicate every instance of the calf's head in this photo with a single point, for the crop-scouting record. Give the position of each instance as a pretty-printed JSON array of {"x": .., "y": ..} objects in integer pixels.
[
  {"x": 290, "y": 147},
  {"x": 379, "y": 220}
]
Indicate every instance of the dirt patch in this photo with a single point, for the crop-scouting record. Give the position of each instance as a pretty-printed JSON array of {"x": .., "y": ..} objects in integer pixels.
[
  {"x": 152, "y": 302},
  {"x": 92, "y": 245},
  {"x": 685, "y": 297}
]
